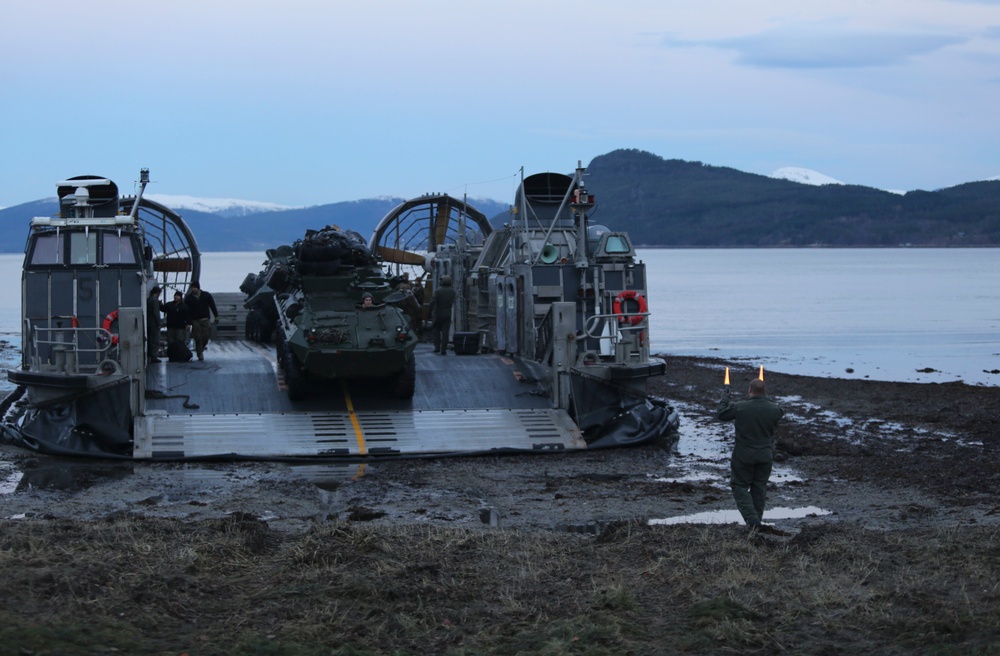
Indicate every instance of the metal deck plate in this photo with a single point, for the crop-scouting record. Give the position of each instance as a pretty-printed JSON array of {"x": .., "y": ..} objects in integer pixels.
[
  {"x": 463, "y": 404},
  {"x": 343, "y": 434}
]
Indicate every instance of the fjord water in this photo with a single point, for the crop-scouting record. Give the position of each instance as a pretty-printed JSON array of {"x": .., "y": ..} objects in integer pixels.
[{"x": 881, "y": 314}]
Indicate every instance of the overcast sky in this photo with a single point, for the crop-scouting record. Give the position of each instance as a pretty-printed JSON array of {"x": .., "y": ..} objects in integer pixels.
[{"x": 305, "y": 102}]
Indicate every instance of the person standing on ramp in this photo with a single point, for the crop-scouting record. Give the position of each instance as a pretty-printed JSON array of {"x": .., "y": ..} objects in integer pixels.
[
  {"x": 201, "y": 310},
  {"x": 441, "y": 303}
]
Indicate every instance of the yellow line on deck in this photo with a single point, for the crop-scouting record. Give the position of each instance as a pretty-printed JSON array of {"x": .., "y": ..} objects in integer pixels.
[{"x": 354, "y": 418}]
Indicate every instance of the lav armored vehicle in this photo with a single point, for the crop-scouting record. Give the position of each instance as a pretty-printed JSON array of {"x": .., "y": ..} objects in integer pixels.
[{"x": 310, "y": 300}]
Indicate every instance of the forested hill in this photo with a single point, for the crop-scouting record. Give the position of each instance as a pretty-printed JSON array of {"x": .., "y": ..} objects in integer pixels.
[
  {"x": 660, "y": 203},
  {"x": 678, "y": 203}
]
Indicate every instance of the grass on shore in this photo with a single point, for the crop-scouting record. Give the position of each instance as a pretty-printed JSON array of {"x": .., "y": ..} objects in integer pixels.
[{"x": 235, "y": 586}]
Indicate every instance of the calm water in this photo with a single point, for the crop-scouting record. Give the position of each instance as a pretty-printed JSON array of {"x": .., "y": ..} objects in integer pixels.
[{"x": 883, "y": 313}]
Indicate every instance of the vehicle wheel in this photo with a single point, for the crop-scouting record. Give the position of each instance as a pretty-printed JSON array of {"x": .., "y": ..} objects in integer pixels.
[
  {"x": 249, "y": 325},
  {"x": 295, "y": 377},
  {"x": 265, "y": 333},
  {"x": 405, "y": 382}
]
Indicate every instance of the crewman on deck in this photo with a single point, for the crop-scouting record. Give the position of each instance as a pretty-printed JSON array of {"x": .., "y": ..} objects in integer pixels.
[
  {"x": 153, "y": 324},
  {"x": 201, "y": 306},
  {"x": 442, "y": 301},
  {"x": 178, "y": 320},
  {"x": 753, "y": 454}
]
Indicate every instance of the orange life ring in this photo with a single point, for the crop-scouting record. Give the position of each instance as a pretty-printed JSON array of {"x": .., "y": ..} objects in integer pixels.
[
  {"x": 108, "y": 320},
  {"x": 630, "y": 295}
]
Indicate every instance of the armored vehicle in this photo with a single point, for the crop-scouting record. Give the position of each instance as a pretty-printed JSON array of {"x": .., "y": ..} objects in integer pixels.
[{"x": 332, "y": 313}]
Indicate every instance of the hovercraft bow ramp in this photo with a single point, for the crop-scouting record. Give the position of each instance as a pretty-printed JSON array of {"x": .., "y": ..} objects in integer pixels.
[{"x": 469, "y": 404}]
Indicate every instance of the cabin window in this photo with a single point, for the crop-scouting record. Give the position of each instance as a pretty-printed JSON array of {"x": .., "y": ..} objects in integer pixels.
[
  {"x": 83, "y": 248},
  {"x": 616, "y": 244},
  {"x": 118, "y": 249},
  {"x": 48, "y": 249}
]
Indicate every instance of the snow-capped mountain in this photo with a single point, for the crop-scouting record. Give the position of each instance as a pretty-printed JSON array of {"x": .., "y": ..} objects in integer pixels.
[
  {"x": 226, "y": 207},
  {"x": 804, "y": 176}
]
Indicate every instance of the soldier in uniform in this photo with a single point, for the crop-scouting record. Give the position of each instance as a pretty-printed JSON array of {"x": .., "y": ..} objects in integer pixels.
[
  {"x": 153, "y": 324},
  {"x": 201, "y": 310},
  {"x": 753, "y": 454},
  {"x": 442, "y": 301},
  {"x": 178, "y": 321}
]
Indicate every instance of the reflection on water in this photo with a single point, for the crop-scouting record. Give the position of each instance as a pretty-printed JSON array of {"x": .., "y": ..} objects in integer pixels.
[
  {"x": 62, "y": 475},
  {"x": 330, "y": 476},
  {"x": 9, "y": 480}
]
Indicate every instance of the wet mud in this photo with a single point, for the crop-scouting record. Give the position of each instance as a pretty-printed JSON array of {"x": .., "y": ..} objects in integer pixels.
[{"x": 877, "y": 454}]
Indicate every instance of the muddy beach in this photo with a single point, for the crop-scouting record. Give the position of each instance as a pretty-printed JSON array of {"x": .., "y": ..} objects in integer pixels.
[{"x": 885, "y": 493}]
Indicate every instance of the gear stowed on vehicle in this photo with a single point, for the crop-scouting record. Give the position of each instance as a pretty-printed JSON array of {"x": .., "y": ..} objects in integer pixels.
[{"x": 309, "y": 301}]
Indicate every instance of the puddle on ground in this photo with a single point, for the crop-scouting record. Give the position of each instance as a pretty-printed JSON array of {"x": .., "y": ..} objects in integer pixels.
[
  {"x": 9, "y": 481},
  {"x": 703, "y": 451},
  {"x": 733, "y": 516},
  {"x": 60, "y": 475},
  {"x": 855, "y": 432},
  {"x": 330, "y": 476}
]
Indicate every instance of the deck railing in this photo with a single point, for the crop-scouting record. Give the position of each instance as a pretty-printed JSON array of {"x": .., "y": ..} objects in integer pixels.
[{"x": 59, "y": 349}]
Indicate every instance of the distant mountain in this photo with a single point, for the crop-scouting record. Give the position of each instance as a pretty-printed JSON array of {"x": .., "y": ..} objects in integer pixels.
[
  {"x": 659, "y": 202},
  {"x": 227, "y": 207},
  {"x": 678, "y": 203},
  {"x": 234, "y": 225},
  {"x": 14, "y": 222}
]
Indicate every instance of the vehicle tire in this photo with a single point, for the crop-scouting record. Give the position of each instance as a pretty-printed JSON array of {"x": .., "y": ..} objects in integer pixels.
[
  {"x": 251, "y": 327},
  {"x": 265, "y": 330},
  {"x": 404, "y": 383},
  {"x": 295, "y": 377}
]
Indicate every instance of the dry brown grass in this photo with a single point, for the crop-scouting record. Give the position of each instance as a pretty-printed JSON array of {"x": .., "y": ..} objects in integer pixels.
[{"x": 235, "y": 586}]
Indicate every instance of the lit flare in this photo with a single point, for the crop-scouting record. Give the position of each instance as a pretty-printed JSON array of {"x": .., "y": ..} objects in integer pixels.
[
  {"x": 761, "y": 374},
  {"x": 727, "y": 377}
]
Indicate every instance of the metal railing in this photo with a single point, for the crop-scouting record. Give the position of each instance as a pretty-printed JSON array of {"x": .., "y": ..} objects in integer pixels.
[
  {"x": 617, "y": 333},
  {"x": 62, "y": 346},
  {"x": 625, "y": 342}
]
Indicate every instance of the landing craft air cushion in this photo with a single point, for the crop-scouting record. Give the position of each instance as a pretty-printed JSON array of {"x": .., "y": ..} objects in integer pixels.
[{"x": 551, "y": 316}]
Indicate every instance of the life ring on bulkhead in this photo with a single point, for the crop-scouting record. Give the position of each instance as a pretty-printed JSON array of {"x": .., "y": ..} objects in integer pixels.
[
  {"x": 630, "y": 319},
  {"x": 108, "y": 320}
]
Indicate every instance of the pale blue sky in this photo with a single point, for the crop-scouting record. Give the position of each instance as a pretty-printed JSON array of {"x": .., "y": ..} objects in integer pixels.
[{"x": 305, "y": 102}]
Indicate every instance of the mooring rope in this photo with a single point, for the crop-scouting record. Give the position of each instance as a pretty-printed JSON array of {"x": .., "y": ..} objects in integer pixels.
[{"x": 157, "y": 394}]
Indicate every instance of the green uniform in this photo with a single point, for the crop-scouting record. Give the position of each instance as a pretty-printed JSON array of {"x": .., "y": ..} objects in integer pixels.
[
  {"x": 441, "y": 303},
  {"x": 756, "y": 419}
]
